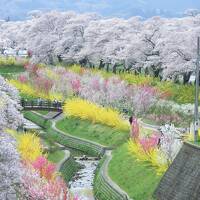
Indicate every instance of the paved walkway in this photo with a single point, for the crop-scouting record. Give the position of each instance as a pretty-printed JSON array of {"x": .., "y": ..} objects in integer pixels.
[
  {"x": 66, "y": 156},
  {"x": 51, "y": 114},
  {"x": 30, "y": 125}
]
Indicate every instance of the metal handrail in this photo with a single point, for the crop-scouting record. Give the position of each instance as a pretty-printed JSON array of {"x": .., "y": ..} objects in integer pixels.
[{"x": 42, "y": 104}]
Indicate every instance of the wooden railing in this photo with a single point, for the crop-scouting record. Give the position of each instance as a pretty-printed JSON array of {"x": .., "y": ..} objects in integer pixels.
[{"x": 41, "y": 105}]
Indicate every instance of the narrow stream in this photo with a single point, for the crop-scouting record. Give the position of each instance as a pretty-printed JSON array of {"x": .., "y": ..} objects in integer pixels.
[{"x": 81, "y": 184}]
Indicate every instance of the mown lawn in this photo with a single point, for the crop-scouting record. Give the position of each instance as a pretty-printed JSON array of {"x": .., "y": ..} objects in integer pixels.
[
  {"x": 56, "y": 156},
  {"x": 42, "y": 112},
  {"x": 99, "y": 133},
  {"x": 11, "y": 69},
  {"x": 137, "y": 178}
]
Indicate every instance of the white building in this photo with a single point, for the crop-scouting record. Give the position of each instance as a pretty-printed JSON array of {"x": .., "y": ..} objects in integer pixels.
[
  {"x": 10, "y": 52},
  {"x": 22, "y": 53},
  {"x": 15, "y": 53}
]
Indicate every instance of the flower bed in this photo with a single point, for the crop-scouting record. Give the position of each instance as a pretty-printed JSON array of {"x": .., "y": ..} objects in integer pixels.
[
  {"x": 130, "y": 95},
  {"x": 39, "y": 177}
]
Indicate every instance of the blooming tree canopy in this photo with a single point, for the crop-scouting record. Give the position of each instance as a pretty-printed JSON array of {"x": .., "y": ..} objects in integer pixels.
[
  {"x": 10, "y": 117},
  {"x": 159, "y": 46}
]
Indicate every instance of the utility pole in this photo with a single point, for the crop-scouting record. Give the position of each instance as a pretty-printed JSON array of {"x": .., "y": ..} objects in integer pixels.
[{"x": 196, "y": 111}]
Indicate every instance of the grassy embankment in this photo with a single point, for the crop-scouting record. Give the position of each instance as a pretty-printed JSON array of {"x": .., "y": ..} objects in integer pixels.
[
  {"x": 138, "y": 179},
  {"x": 6, "y": 69}
]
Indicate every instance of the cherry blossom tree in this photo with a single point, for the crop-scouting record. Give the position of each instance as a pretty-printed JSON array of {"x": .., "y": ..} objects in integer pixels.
[
  {"x": 10, "y": 117},
  {"x": 164, "y": 48}
]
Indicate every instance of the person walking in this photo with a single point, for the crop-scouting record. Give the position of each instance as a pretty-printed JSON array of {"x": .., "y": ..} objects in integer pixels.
[{"x": 134, "y": 132}]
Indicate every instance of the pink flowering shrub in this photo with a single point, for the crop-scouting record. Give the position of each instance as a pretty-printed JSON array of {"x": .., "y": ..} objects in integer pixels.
[
  {"x": 31, "y": 68},
  {"x": 45, "y": 168},
  {"x": 147, "y": 143},
  {"x": 135, "y": 130},
  {"x": 146, "y": 148},
  {"x": 112, "y": 92},
  {"x": 144, "y": 97},
  {"x": 22, "y": 78},
  {"x": 166, "y": 143},
  {"x": 76, "y": 85},
  {"x": 150, "y": 143},
  {"x": 40, "y": 181},
  {"x": 43, "y": 84},
  {"x": 38, "y": 187}
]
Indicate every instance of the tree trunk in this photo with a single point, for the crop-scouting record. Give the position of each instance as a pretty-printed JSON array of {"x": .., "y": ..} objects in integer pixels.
[
  {"x": 157, "y": 72},
  {"x": 115, "y": 68},
  {"x": 186, "y": 77},
  {"x": 50, "y": 58},
  {"x": 101, "y": 64},
  {"x": 146, "y": 71},
  {"x": 91, "y": 65},
  {"x": 107, "y": 67},
  {"x": 59, "y": 58},
  {"x": 176, "y": 80}
]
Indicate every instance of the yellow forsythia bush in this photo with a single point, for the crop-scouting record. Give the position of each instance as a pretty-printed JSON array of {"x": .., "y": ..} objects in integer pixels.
[
  {"x": 86, "y": 110},
  {"x": 7, "y": 61},
  {"x": 30, "y": 91},
  {"x": 28, "y": 144},
  {"x": 155, "y": 157},
  {"x": 76, "y": 69}
]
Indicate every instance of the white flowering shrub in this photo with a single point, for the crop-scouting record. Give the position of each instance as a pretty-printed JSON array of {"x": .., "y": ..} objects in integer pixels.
[
  {"x": 10, "y": 168},
  {"x": 170, "y": 141},
  {"x": 10, "y": 117},
  {"x": 9, "y": 90}
]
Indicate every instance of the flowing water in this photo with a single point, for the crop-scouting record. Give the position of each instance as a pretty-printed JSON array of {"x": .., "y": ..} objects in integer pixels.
[{"x": 81, "y": 184}]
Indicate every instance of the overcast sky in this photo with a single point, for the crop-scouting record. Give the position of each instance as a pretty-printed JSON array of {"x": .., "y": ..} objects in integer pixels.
[{"x": 17, "y": 9}]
